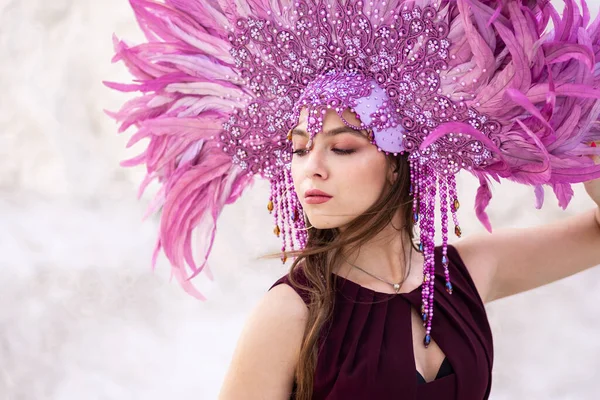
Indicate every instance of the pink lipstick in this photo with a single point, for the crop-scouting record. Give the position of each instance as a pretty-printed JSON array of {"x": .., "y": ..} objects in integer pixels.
[{"x": 315, "y": 196}]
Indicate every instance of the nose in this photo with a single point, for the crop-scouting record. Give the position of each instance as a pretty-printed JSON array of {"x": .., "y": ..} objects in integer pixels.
[{"x": 316, "y": 164}]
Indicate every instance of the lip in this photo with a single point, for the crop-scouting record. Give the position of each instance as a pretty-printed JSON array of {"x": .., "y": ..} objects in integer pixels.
[
  {"x": 316, "y": 192},
  {"x": 315, "y": 196},
  {"x": 316, "y": 199}
]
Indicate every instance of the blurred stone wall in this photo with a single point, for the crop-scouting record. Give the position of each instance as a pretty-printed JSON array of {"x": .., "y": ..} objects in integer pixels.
[{"x": 82, "y": 316}]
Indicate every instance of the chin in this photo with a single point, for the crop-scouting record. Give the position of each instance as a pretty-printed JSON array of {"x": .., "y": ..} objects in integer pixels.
[{"x": 327, "y": 222}]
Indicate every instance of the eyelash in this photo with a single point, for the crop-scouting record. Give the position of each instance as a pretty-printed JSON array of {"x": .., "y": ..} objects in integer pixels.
[{"x": 302, "y": 152}]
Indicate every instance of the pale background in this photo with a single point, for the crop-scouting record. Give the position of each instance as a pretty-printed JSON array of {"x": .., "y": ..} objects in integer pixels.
[{"x": 81, "y": 314}]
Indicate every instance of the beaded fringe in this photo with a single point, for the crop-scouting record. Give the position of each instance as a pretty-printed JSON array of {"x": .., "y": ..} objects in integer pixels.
[
  {"x": 426, "y": 186},
  {"x": 287, "y": 212},
  {"x": 426, "y": 183}
]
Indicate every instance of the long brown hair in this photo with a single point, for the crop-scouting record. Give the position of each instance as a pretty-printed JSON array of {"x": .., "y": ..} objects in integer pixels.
[{"x": 323, "y": 251}]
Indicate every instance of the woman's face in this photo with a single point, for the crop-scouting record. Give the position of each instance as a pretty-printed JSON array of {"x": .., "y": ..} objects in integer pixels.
[{"x": 343, "y": 165}]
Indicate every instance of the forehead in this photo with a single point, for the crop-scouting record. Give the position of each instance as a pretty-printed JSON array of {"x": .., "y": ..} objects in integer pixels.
[
  {"x": 331, "y": 119},
  {"x": 333, "y": 125}
]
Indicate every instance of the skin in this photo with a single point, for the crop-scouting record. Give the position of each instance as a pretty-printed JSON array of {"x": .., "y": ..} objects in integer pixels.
[
  {"x": 343, "y": 164},
  {"x": 349, "y": 168},
  {"x": 501, "y": 264}
]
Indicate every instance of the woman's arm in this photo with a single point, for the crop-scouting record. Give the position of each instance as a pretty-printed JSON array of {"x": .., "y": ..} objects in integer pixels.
[
  {"x": 511, "y": 261},
  {"x": 264, "y": 362}
]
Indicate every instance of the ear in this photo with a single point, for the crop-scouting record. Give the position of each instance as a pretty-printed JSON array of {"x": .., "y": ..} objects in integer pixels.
[{"x": 392, "y": 172}]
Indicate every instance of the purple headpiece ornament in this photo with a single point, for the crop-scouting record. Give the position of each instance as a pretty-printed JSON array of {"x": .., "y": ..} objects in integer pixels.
[{"x": 465, "y": 84}]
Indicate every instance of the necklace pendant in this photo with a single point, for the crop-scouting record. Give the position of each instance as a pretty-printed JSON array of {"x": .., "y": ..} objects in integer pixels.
[{"x": 397, "y": 287}]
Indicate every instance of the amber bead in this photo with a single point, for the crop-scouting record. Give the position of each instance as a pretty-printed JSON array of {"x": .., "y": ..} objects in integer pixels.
[
  {"x": 283, "y": 258},
  {"x": 456, "y": 205},
  {"x": 276, "y": 230},
  {"x": 270, "y": 206},
  {"x": 457, "y": 231}
]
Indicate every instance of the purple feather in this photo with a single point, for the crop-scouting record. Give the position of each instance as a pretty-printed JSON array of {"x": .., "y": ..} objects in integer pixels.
[
  {"x": 543, "y": 87},
  {"x": 539, "y": 196},
  {"x": 482, "y": 199},
  {"x": 564, "y": 193}
]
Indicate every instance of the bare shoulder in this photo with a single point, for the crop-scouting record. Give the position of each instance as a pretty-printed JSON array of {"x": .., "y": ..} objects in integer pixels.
[
  {"x": 281, "y": 305},
  {"x": 266, "y": 355},
  {"x": 480, "y": 263}
]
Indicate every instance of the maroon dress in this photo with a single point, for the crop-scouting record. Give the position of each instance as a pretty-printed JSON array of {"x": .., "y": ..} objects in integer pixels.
[{"x": 366, "y": 351}]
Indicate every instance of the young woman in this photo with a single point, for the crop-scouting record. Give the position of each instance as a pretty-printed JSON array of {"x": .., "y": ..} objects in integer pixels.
[
  {"x": 360, "y": 114},
  {"x": 364, "y": 339}
]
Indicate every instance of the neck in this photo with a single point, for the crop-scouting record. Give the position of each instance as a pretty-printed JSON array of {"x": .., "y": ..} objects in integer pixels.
[{"x": 386, "y": 255}]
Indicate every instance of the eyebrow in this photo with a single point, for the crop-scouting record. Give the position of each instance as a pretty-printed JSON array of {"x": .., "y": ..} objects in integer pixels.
[{"x": 331, "y": 132}]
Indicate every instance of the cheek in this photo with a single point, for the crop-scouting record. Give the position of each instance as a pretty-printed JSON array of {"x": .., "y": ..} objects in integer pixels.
[
  {"x": 365, "y": 180},
  {"x": 297, "y": 176},
  {"x": 372, "y": 169}
]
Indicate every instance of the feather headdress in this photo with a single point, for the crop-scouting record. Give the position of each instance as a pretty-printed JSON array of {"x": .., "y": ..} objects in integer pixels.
[{"x": 483, "y": 86}]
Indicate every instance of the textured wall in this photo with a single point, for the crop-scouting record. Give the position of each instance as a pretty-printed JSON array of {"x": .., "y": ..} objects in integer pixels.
[{"x": 81, "y": 314}]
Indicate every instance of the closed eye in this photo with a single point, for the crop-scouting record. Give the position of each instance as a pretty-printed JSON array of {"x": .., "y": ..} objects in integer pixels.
[
  {"x": 343, "y": 151},
  {"x": 299, "y": 152},
  {"x": 302, "y": 152}
]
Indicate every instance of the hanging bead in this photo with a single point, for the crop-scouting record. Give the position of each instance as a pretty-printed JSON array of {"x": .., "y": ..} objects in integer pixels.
[
  {"x": 456, "y": 205},
  {"x": 276, "y": 230},
  {"x": 427, "y": 340},
  {"x": 449, "y": 287},
  {"x": 444, "y": 260},
  {"x": 424, "y": 317},
  {"x": 289, "y": 136},
  {"x": 421, "y": 247},
  {"x": 457, "y": 231},
  {"x": 270, "y": 207},
  {"x": 283, "y": 258}
]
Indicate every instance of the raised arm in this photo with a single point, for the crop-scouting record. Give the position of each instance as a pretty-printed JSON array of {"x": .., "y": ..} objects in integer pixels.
[
  {"x": 264, "y": 362},
  {"x": 511, "y": 261}
]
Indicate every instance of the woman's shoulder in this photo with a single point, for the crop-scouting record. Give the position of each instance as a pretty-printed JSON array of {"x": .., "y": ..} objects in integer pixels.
[
  {"x": 281, "y": 307},
  {"x": 298, "y": 284},
  {"x": 266, "y": 355}
]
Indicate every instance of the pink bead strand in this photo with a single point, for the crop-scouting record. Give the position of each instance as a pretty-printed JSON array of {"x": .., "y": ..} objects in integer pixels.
[
  {"x": 443, "y": 183},
  {"x": 454, "y": 204},
  {"x": 422, "y": 220},
  {"x": 431, "y": 184},
  {"x": 289, "y": 191}
]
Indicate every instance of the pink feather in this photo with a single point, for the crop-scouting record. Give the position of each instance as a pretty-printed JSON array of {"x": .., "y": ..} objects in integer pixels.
[
  {"x": 542, "y": 86},
  {"x": 482, "y": 199}
]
